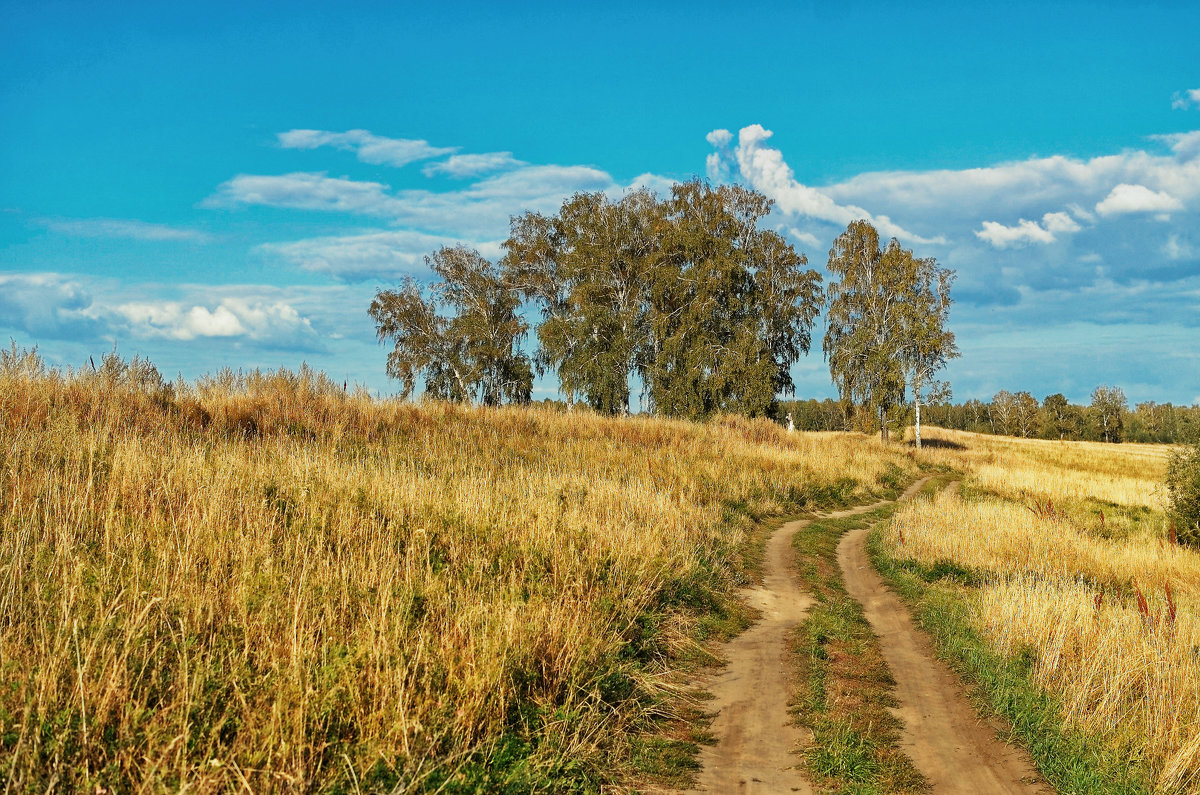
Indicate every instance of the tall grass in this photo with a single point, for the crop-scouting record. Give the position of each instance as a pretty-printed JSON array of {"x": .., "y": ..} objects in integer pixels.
[
  {"x": 1107, "y": 622},
  {"x": 264, "y": 581}
]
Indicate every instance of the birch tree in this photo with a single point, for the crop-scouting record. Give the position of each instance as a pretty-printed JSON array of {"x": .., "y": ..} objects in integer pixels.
[
  {"x": 462, "y": 334},
  {"x": 864, "y": 342},
  {"x": 589, "y": 269},
  {"x": 927, "y": 345}
]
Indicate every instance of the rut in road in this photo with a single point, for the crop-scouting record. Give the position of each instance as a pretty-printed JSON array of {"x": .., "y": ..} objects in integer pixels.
[
  {"x": 756, "y": 738},
  {"x": 943, "y": 734}
]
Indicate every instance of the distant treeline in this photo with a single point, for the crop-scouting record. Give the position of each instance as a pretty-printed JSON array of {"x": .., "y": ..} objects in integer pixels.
[{"x": 1107, "y": 418}]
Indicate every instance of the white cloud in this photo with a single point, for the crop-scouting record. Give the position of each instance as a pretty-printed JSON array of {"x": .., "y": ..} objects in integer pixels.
[
  {"x": 129, "y": 229},
  {"x": 808, "y": 238},
  {"x": 1024, "y": 233},
  {"x": 1027, "y": 232},
  {"x": 305, "y": 191},
  {"x": 766, "y": 171},
  {"x": 269, "y": 322},
  {"x": 460, "y": 166},
  {"x": 1182, "y": 100},
  {"x": 1013, "y": 188},
  {"x": 369, "y": 148},
  {"x": 380, "y": 254},
  {"x": 1080, "y": 213},
  {"x": 1184, "y": 145},
  {"x": 1059, "y": 223},
  {"x": 81, "y": 308},
  {"x": 1125, "y": 198},
  {"x": 479, "y": 211},
  {"x": 717, "y": 163}
]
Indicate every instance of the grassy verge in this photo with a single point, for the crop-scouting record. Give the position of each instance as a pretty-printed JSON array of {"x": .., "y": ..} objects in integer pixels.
[
  {"x": 845, "y": 688},
  {"x": 939, "y": 596}
]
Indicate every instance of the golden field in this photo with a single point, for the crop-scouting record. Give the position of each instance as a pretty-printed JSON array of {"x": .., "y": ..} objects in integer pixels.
[
  {"x": 1069, "y": 544},
  {"x": 264, "y": 583}
]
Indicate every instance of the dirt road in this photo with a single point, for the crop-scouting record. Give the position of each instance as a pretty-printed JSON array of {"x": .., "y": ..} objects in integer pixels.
[
  {"x": 756, "y": 739},
  {"x": 943, "y": 735}
]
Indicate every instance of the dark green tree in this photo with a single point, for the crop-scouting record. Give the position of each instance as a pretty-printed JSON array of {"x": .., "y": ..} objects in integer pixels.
[
  {"x": 463, "y": 334},
  {"x": 688, "y": 293},
  {"x": 1060, "y": 418},
  {"x": 731, "y": 309}
]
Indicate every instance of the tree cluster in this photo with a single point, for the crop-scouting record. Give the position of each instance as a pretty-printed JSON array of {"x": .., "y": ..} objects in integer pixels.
[
  {"x": 686, "y": 294},
  {"x": 1106, "y": 418}
]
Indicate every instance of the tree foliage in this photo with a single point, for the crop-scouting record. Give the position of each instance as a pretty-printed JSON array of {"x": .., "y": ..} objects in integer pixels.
[
  {"x": 1183, "y": 487},
  {"x": 886, "y": 322},
  {"x": 589, "y": 269},
  {"x": 1108, "y": 410},
  {"x": 687, "y": 293},
  {"x": 462, "y": 335},
  {"x": 731, "y": 306}
]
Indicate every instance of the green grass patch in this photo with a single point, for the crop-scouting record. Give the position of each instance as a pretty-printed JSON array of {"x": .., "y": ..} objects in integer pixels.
[{"x": 845, "y": 686}]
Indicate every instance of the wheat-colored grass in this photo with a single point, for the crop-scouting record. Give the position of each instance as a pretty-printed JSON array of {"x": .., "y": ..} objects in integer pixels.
[
  {"x": 1091, "y": 607},
  {"x": 266, "y": 583}
]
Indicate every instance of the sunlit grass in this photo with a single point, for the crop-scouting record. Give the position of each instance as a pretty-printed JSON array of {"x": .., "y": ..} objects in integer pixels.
[
  {"x": 1108, "y": 619},
  {"x": 267, "y": 582}
]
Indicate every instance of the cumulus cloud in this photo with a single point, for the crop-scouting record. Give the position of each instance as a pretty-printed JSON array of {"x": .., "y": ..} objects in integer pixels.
[
  {"x": 369, "y": 255},
  {"x": 1125, "y": 198},
  {"x": 764, "y": 168},
  {"x": 1024, "y": 233},
  {"x": 73, "y": 307},
  {"x": 123, "y": 228},
  {"x": 459, "y": 166},
  {"x": 272, "y": 323},
  {"x": 368, "y": 147},
  {"x": 46, "y": 305},
  {"x": 1182, "y": 100},
  {"x": 1027, "y": 232},
  {"x": 717, "y": 163}
]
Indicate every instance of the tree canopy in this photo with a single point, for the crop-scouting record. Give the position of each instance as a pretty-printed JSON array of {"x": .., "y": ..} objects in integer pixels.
[
  {"x": 686, "y": 293},
  {"x": 463, "y": 334},
  {"x": 886, "y": 321}
]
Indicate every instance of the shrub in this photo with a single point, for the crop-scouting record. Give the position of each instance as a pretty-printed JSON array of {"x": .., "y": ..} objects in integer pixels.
[{"x": 1183, "y": 486}]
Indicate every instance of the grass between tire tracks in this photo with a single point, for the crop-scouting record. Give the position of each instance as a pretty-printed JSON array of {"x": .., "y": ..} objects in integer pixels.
[
  {"x": 845, "y": 688},
  {"x": 938, "y": 595}
]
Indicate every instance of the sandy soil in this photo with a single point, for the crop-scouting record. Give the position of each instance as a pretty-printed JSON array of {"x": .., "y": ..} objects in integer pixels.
[{"x": 943, "y": 735}]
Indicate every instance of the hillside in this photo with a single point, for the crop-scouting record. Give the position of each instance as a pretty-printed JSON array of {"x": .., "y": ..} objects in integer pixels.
[{"x": 264, "y": 581}]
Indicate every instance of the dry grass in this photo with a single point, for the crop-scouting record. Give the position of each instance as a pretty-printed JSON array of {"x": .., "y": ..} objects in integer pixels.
[
  {"x": 1110, "y": 622},
  {"x": 265, "y": 583}
]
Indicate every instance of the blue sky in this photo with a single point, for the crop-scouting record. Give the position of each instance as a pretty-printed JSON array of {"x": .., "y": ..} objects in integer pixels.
[{"x": 228, "y": 184}]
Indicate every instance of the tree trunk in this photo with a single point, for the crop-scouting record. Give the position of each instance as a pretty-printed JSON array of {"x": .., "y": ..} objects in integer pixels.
[
  {"x": 917, "y": 426},
  {"x": 883, "y": 429}
]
